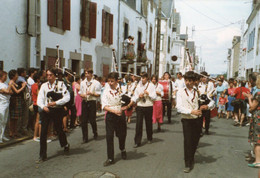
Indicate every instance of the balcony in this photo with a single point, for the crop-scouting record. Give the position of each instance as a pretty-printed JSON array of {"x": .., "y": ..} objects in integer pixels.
[{"x": 128, "y": 53}]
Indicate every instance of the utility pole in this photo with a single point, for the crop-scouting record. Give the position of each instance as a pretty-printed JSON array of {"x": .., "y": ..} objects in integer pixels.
[{"x": 158, "y": 39}]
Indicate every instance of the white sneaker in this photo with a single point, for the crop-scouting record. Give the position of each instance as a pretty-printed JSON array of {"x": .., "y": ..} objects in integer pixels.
[
  {"x": 49, "y": 140},
  {"x": 37, "y": 139},
  {"x": 1, "y": 141},
  {"x": 5, "y": 138}
]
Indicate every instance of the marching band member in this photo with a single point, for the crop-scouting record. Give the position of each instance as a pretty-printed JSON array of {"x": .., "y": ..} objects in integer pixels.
[
  {"x": 157, "y": 105},
  {"x": 168, "y": 103},
  {"x": 144, "y": 96},
  {"x": 188, "y": 106},
  {"x": 205, "y": 88},
  {"x": 90, "y": 90},
  {"x": 115, "y": 118},
  {"x": 51, "y": 98}
]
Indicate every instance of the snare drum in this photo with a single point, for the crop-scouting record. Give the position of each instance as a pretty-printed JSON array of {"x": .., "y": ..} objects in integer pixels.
[{"x": 167, "y": 89}]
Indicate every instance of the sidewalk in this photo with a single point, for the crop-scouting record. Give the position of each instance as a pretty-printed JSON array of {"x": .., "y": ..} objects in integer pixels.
[{"x": 23, "y": 138}]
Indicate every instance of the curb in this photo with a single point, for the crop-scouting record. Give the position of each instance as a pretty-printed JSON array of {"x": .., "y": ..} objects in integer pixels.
[{"x": 15, "y": 141}]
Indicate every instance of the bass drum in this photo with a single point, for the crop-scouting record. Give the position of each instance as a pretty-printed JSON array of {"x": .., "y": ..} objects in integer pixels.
[{"x": 167, "y": 89}]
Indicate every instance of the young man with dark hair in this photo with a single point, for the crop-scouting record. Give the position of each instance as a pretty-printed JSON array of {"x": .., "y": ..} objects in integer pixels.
[
  {"x": 51, "y": 99},
  {"x": 188, "y": 106},
  {"x": 90, "y": 90},
  {"x": 144, "y": 96},
  {"x": 115, "y": 118}
]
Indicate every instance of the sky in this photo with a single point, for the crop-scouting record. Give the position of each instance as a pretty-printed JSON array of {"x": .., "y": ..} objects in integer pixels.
[{"x": 215, "y": 23}]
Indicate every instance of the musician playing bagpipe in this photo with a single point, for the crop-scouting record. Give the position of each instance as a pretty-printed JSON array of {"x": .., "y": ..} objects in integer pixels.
[
  {"x": 90, "y": 90},
  {"x": 144, "y": 96},
  {"x": 205, "y": 89},
  {"x": 114, "y": 103},
  {"x": 53, "y": 95}
]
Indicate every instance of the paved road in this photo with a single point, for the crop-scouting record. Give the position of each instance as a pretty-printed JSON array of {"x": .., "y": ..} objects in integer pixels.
[{"x": 220, "y": 155}]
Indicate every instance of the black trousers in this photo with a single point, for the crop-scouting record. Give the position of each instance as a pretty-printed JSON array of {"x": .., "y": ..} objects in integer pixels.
[
  {"x": 89, "y": 110},
  {"x": 206, "y": 115},
  {"x": 191, "y": 133},
  {"x": 73, "y": 116},
  {"x": 168, "y": 104},
  {"x": 56, "y": 115},
  {"x": 115, "y": 124},
  {"x": 143, "y": 113}
]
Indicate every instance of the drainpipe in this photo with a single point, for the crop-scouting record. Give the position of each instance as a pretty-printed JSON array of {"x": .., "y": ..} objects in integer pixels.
[{"x": 118, "y": 39}]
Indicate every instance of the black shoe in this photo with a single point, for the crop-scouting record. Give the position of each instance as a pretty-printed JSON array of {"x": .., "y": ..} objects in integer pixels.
[
  {"x": 85, "y": 141},
  {"x": 149, "y": 141},
  {"x": 159, "y": 130},
  {"x": 207, "y": 132},
  {"x": 41, "y": 160},
  {"x": 169, "y": 121},
  {"x": 123, "y": 154},
  {"x": 201, "y": 134},
  {"x": 108, "y": 162},
  {"x": 187, "y": 169},
  {"x": 137, "y": 145},
  {"x": 67, "y": 148},
  {"x": 95, "y": 136}
]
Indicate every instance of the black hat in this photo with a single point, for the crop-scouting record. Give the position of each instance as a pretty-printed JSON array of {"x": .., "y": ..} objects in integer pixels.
[{"x": 204, "y": 73}]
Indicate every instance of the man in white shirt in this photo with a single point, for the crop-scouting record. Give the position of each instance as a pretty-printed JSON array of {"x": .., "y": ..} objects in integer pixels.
[
  {"x": 90, "y": 90},
  {"x": 53, "y": 95},
  {"x": 144, "y": 96},
  {"x": 188, "y": 106},
  {"x": 205, "y": 88},
  {"x": 115, "y": 118}
]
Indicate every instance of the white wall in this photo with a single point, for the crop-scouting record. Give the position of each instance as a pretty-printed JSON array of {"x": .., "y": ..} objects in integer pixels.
[
  {"x": 13, "y": 46},
  {"x": 71, "y": 40}
]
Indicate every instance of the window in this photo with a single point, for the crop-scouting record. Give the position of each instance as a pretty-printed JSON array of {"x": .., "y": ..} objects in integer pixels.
[
  {"x": 161, "y": 42},
  {"x": 59, "y": 14},
  {"x": 139, "y": 39},
  {"x": 251, "y": 40},
  {"x": 1, "y": 65},
  {"x": 107, "y": 27},
  {"x": 88, "y": 19},
  {"x": 169, "y": 44},
  {"x": 150, "y": 37},
  {"x": 126, "y": 31}
]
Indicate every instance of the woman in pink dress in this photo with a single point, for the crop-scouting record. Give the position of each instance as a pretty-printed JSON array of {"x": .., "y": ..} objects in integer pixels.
[
  {"x": 157, "y": 105},
  {"x": 78, "y": 99}
]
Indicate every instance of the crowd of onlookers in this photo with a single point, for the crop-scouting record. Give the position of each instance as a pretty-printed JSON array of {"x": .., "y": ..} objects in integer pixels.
[{"x": 19, "y": 113}]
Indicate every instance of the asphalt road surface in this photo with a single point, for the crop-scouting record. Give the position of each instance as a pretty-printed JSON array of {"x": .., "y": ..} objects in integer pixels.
[{"x": 220, "y": 155}]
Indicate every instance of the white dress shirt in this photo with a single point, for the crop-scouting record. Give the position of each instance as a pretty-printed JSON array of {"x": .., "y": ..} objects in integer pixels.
[
  {"x": 179, "y": 84},
  {"x": 111, "y": 98},
  {"x": 92, "y": 86},
  {"x": 148, "y": 99},
  {"x": 58, "y": 87},
  {"x": 187, "y": 100},
  {"x": 159, "y": 88}
]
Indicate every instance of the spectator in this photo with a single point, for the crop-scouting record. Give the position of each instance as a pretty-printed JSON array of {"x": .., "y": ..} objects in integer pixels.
[
  {"x": 5, "y": 92},
  {"x": 35, "y": 90},
  {"x": 16, "y": 102}
]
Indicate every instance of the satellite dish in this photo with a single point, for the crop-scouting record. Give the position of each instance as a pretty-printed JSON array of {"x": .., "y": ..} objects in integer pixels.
[{"x": 174, "y": 58}]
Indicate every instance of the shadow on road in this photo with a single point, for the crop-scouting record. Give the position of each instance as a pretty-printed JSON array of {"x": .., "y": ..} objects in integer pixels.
[
  {"x": 73, "y": 151},
  {"x": 131, "y": 155},
  {"x": 202, "y": 159},
  {"x": 202, "y": 144}
]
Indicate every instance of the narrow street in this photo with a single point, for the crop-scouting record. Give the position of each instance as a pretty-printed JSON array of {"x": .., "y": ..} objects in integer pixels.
[{"x": 220, "y": 154}]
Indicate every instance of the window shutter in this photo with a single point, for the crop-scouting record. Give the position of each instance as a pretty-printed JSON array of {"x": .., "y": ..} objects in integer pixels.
[
  {"x": 51, "y": 6},
  {"x": 66, "y": 15},
  {"x": 103, "y": 26},
  {"x": 83, "y": 17},
  {"x": 92, "y": 19},
  {"x": 110, "y": 29}
]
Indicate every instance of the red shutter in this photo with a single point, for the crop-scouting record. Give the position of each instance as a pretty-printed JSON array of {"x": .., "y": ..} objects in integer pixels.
[
  {"x": 92, "y": 19},
  {"x": 110, "y": 29},
  {"x": 103, "y": 26},
  {"x": 51, "y": 6},
  {"x": 66, "y": 15},
  {"x": 83, "y": 17}
]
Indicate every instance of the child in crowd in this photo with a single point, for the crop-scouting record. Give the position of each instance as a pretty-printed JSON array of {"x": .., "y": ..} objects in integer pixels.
[{"x": 221, "y": 105}]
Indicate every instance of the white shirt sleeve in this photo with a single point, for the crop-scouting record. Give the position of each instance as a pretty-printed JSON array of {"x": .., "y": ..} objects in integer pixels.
[
  {"x": 40, "y": 97},
  {"x": 180, "y": 108},
  {"x": 161, "y": 89},
  {"x": 104, "y": 100},
  {"x": 98, "y": 88}
]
